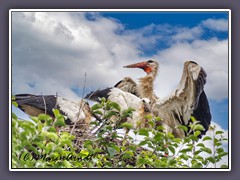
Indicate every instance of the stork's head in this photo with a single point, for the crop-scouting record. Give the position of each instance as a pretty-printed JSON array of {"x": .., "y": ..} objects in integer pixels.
[{"x": 148, "y": 66}]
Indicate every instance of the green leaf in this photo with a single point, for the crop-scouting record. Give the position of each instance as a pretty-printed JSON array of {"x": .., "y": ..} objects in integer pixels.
[
  {"x": 160, "y": 128},
  {"x": 172, "y": 149},
  {"x": 186, "y": 150},
  {"x": 211, "y": 159},
  {"x": 52, "y": 129},
  {"x": 193, "y": 119},
  {"x": 126, "y": 125},
  {"x": 158, "y": 136},
  {"x": 50, "y": 135},
  {"x": 206, "y": 138},
  {"x": 15, "y": 103},
  {"x": 142, "y": 143},
  {"x": 219, "y": 150},
  {"x": 67, "y": 164},
  {"x": 197, "y": 133},
  {"x": 96, "y": 107},
  {"x": 219, "y": 132},
  {"x": 115, "y": 106},
  {"x": 50, "y": 146},
  {"x": 109, "y": 114},
  {"x": 111, "y": 151},
  {"x": 172, "y": 162},
  {"x": 14, "y": 116},
  {"x": 90, "y": 149},
  {"x": 143, "y": 132},
  {"x": 207, "y": 150},
  {"x": 221, "y": 154},
  {"x": 60, "y": 122},
  {"x": 13, "y": 98},
  {"x": 98, "y": 112},
  {"x": 196, "y": 165},
  {"x": 151, "y": 123},
  {"x": 140, "y": 161},
  {"x": 184, "y": 156},
  {"x": 198, "y": 157},
  {"x": 56, "y": 113},
  {"x": 201, "y": 145},
  {"x": 184, "y": 128},
  {"x": 194, "y": 138},
  {"x": 198, "y": 127}
]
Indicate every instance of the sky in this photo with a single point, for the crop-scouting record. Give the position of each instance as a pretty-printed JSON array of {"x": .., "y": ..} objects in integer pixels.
[{"x": 52, "y": 51}]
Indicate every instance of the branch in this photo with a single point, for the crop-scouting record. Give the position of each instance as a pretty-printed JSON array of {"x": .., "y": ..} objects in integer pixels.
[{"x": 81, "y": 104}]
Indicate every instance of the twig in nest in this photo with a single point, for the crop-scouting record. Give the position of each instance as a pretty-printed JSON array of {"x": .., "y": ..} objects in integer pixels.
[
  {"x": 81, "y": 104},
  {"x": 103, "y": 124},
  {"x": 44, "y": 102}
]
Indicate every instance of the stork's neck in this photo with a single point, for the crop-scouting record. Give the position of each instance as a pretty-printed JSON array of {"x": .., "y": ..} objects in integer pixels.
[{"x": 146, "y": 85}]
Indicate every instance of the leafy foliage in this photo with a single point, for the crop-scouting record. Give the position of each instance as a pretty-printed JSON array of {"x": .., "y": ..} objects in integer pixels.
[{"x": 40, "y": 144}]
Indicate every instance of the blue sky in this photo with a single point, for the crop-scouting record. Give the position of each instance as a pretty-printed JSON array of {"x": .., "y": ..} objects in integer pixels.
[
  {"x": 51, "y": 51},
  {"x": 137, "y": 20}
]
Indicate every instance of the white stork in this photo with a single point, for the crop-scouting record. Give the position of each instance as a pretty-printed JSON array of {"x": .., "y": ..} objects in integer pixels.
[
  {"x": 189, "y": 99},
  {"x": 127, "y": 100},
  {"x": 143, "y": 90},
  {"x": 34, "y": 105}
]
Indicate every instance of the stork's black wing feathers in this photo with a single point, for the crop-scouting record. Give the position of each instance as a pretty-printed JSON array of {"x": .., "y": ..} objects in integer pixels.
[
  {"x": 202, "y": 113},
  {"x": 116, "y": 85},
  {"x": 95, "y": 95},
  {"x": 47, "y": 102}
]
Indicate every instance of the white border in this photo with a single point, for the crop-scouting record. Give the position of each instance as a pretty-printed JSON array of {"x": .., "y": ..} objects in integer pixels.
[{"x": 121, "y": 10}]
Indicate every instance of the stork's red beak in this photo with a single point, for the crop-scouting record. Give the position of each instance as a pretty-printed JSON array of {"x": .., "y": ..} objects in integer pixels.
[
  {"x": 137, "y": 65},
  {"x": 142, "y": 65}
]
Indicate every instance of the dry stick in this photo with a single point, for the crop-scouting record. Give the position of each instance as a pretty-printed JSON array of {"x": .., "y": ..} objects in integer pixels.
[
  {"x": 80, "y": 108},
  {"x": 45, "y": 106},
  {"x": 102, "y": 125}
]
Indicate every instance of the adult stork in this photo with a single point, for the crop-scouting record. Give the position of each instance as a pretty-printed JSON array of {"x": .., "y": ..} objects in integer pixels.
[
  {"x": 34, "y": 105},
  {"x": 189, "y": 99},
  {"x": 144, "y": 89}
]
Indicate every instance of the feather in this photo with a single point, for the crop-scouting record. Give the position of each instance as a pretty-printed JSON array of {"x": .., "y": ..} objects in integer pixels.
[{"x": 187, "y": 100}]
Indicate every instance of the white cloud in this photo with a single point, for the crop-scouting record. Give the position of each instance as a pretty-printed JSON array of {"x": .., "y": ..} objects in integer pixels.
[
  {"x": 216, "y": 24},
  {"x": 54, "y": 51},
  {"x": 188, "y": 33}
]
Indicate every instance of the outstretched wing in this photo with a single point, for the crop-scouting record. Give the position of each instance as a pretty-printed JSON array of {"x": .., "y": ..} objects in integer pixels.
[{"x": 189, "y": 99}]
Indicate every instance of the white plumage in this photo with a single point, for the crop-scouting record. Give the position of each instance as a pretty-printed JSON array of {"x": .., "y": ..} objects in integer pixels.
[
  {"x": 73, "y": 111},
  {"x": 189, "y": 99},
  {"x": 127, "y": 100}
]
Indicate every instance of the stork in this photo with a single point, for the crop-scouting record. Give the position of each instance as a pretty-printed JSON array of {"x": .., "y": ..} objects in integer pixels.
[
  {"x": 127, "y": 100},
  {"x": 34, "y": 105},
  {"x": 143, "y": 90},
  {"x": 189, "y": 99},
  {"x": 127, "y": 93}
]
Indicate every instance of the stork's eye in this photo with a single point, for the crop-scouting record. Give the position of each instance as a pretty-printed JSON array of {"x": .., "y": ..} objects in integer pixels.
[{"x": 150, "y": 61}]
